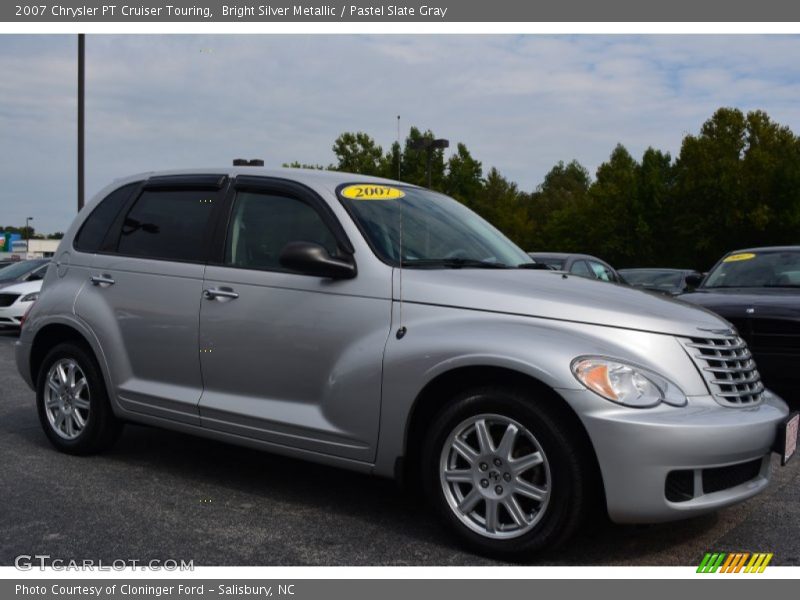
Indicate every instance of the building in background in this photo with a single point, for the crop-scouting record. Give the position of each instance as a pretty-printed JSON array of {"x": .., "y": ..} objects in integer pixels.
[
  {"x": 33, "y": 248},
  {"x": 6, "y": 239}
]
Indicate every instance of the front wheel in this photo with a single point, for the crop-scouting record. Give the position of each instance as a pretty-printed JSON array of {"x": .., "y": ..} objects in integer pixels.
[
  {"x": 506, "y": 472},
  {"x": 72, "y": 403}
]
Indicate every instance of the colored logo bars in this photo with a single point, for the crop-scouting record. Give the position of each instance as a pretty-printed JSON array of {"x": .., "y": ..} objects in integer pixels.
[{"x": 734, "y": 562}]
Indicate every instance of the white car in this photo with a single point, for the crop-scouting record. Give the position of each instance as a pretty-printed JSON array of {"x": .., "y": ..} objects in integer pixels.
[{"x": 15, "y": 300}]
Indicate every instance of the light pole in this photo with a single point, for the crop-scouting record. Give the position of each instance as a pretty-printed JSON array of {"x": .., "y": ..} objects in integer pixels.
[
  {"x": 429, "y": 144},
  {"x": 27, "y": 236},
  {"x": 81, "y": 97}
]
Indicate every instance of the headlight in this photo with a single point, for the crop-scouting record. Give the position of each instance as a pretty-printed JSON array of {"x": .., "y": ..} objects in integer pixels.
[
  {"x": 625, "y": 384},
  {"x": 32, "y": 297}
]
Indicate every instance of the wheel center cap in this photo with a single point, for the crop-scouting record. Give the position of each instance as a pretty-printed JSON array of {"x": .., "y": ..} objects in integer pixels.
[{"x": 494, "y": 476}]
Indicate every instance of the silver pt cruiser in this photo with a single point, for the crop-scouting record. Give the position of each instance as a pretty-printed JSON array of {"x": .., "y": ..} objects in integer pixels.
[{"x": 385, "y": 328}]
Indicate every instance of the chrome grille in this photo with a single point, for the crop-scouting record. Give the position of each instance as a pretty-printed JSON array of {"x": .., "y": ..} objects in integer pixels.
[{"x": 728, "y": 369}]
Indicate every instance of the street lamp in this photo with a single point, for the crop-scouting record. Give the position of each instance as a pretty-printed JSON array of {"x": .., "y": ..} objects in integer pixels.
[
  {"x": 81, "y": 121},
  {"x": 429, "y": 144},
  {"x": 27, "y": 235}
]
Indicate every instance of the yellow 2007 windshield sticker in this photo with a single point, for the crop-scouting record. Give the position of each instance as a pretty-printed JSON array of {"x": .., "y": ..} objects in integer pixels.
[
  {"x": 738, "y": 257},
  {"x": 366, "y": 191}
]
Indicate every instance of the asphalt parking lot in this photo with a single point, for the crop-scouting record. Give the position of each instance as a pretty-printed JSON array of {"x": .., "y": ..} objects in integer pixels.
[{"x": 163, "y": 495}]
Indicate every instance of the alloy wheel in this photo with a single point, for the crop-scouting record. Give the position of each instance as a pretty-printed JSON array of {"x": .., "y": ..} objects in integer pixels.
[
  {"x": 495, "y": 476},
  {"x": 66, "y": 398}
]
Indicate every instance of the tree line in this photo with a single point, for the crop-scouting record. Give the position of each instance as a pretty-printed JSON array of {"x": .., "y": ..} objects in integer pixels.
[
  {"x": 30, "y": 232},
  {"x": 735, "y": 184}
]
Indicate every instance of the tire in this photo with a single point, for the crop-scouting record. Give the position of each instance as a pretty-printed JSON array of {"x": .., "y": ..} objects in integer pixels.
[
  {"x": 562, "y": 476},
  {"x": 81, "y": 420}
]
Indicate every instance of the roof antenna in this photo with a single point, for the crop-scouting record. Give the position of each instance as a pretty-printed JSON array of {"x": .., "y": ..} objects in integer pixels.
[
  {"x": 401, "y": 332},
  {"x": 398, "y": 148}
]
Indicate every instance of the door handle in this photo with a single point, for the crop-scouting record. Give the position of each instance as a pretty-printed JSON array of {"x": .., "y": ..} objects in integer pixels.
[
  {"x": 214, "y": 293},
  {"x": 103, "y": 279}
]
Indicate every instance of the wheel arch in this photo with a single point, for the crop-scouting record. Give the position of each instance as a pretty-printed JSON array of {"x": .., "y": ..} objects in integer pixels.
[
  {"x": 439, "y": 392},
  {"x": 54, "y": 333}
]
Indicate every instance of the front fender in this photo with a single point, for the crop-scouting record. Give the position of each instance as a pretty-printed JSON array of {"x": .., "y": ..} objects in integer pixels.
[{"x": 440, "y": 339}]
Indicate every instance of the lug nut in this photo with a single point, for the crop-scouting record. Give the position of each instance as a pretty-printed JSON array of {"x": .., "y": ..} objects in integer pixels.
[
  {"x": 484, "y": 466},
  {"x": 497, "y": 462},
  {"x": 507, "y": 476},
  {"x": 498, "y": 490},
  {"x": 484, "y": 483}
]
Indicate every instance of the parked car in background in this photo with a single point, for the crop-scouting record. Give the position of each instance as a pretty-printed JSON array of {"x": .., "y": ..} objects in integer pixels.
[
  {"x": 15, "y": 300},
  {"x": 665, "y": 281},
  {"x": 582, "y": 265},
  {"x": 263, "y": 307},
  {"x": 23, "y": 270},
  {"x": 758, "y": 290}
]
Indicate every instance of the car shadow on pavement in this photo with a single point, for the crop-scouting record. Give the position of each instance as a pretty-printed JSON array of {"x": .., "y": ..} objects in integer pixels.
[{"x": 360, "y": 501}]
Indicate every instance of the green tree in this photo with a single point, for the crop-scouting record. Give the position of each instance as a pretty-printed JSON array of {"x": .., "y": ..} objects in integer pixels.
[
  {"x": 709, "y": 191},
  {"x": 415, "y": 162},
  {"x": 502, "y": 204},
  {"x": 654, "y": 221},
  {"x": 357, "y": 153},
  {"x": 298, "y": 165},
  {"x": 613, "y": 211},
  {"x": 463, "y": 179},
  {"x": 557, "y": 208}
]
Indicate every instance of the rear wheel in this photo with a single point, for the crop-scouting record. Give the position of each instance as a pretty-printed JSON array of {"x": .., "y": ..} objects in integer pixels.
[
  {"x": 506, "y": 471},
  {"x": 73, "y": 406}
]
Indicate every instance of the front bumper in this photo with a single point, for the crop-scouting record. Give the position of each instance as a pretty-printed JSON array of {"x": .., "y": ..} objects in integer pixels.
[
  {"x": 638, "y": 448},
  {"x": 11, "y": 316}
]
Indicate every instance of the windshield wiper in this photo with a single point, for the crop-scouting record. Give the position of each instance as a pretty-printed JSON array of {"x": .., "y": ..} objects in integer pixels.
[
  {"x": 454, "y": 263},
  {"x": 535, "y": 266}
]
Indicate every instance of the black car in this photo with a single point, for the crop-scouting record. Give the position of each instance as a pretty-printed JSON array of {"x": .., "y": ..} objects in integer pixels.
[
  {"x": 583, "y": 265},
  {"x": 665, "y": 281},
  {"x": 758, "y": 291}
]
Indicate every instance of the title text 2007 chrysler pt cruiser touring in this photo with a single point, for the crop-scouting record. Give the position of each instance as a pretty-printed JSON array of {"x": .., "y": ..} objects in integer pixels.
[{"x": 267, "y": 308}]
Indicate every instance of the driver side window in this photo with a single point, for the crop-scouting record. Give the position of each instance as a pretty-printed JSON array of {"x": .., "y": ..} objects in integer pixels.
[
  {"x": 262, "y": 224},
  {"x": 601, "y": 272}
]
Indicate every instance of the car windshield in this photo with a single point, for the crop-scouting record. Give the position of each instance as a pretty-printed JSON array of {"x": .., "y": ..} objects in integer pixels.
[
  {"x": 19, "y": 269},
  {"x": 757, "y": 269},
  {"x": 666, "y": 280},
  {"x": 437, "y": 231}
]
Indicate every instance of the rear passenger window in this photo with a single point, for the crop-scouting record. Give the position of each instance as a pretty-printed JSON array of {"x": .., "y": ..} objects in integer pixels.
[
  {"x": 94, "y": 229},
  {"x": 262, "y": 225},
  {"x": 168, "y": 224}
]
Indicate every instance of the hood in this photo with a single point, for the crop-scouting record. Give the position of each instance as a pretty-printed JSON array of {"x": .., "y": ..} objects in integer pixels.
[
  {"x": 22, "y": 288},
  {"x": 555, "y": 295},
  {"x": 748, "y": 302}
]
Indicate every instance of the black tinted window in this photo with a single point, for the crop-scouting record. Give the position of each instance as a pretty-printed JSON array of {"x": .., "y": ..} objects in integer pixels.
[
  {"x": 167, "y": 224},
  {"x": 96, "y": 226},
  {"x": 262, "y": 225}
]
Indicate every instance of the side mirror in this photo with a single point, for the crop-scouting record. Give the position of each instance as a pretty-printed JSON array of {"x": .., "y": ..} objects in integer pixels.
[
  {"x": 312, "y": 259},
  {"x": 693, "y": 280}
]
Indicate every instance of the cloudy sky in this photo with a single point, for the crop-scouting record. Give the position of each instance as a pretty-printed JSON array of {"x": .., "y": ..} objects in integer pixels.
[{"x": 520, "y": 103}]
